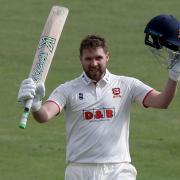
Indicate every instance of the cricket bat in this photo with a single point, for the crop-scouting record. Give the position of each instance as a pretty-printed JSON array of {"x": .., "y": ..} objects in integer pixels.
[{"x": 45, "y": 52}]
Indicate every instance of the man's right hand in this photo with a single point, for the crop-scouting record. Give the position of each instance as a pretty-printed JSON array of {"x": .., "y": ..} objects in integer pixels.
[{"x": 29, "y": 90}]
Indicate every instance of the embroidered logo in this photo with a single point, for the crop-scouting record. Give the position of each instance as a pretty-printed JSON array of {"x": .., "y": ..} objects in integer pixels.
[
  {"x": 81, "y": 96},
  {"x": 116, "y": 92}
]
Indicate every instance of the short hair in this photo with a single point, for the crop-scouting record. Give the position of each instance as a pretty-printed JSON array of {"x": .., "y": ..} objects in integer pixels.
[{"x": 92, "y": 42}]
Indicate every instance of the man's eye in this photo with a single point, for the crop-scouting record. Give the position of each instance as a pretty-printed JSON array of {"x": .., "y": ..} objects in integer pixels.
[
  {"x": 99, "y": 57},
  {"x": 88, "y": 59}
]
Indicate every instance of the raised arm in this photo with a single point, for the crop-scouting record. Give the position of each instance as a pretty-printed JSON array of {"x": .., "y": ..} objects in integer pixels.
[
  {"x": 163, "y": 99},
  {"x": 47, "y": 111}
]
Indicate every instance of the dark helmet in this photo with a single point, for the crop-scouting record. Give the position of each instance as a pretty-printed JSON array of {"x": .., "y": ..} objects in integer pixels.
[{"x": 164, "y": 30}]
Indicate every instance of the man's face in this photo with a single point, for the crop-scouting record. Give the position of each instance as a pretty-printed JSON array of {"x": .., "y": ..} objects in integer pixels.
[{"x": 94, "y": 63}]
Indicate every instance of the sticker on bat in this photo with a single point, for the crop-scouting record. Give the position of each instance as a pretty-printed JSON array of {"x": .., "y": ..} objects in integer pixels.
[
  {"x": 39, "y": 67},
  {"x": 47, "y": 42}
]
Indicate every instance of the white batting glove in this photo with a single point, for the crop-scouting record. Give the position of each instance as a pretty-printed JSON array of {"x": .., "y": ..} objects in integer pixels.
[
  {"x": 174, "y": 66},
  {"x": 29, "y": 90}
]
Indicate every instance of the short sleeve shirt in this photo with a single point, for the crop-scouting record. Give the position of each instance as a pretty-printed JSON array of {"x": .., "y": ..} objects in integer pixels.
[{"x": 97, "y": 116}]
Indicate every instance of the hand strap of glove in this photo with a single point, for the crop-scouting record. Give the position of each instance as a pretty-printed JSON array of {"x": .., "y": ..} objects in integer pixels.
[
  {"x": 39, "y": 94},
  {"x": 36, "y": 105},
  {"x": 174, "y": 66}
]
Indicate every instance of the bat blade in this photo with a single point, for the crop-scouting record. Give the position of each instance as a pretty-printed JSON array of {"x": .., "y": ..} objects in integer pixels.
[{"x": 45, "y": 52}]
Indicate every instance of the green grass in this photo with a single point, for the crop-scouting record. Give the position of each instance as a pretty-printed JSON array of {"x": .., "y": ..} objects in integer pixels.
[{"x": 38, "y": 152}]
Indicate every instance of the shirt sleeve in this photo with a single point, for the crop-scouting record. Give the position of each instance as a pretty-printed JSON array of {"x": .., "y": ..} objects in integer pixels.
[
  {"x": 140, "y": 91},
  {"x": 59, "y": 96}
]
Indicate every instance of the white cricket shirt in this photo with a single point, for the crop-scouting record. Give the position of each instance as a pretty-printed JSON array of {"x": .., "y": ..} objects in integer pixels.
[{"x": 98, "y": 116}]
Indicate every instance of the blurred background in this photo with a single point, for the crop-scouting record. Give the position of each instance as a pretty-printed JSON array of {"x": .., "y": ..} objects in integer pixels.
[{"x": 38, "y": 152}]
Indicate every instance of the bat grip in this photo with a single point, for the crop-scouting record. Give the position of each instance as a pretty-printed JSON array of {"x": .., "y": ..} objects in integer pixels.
[{"x": 25, "y": 114}]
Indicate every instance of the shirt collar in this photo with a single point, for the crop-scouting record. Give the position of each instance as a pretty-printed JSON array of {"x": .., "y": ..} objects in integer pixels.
[{"x": 87, "y": 80}]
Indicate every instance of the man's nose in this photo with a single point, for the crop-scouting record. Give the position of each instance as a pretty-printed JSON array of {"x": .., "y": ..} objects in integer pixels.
[{"x": 94, "y": 62}]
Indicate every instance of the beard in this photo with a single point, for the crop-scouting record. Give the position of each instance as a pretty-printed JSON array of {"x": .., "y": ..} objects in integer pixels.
[{"x": 95, "y": 73}]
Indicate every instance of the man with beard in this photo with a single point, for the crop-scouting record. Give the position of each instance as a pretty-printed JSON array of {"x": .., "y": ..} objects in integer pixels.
[{"x": 97, "y": 111}]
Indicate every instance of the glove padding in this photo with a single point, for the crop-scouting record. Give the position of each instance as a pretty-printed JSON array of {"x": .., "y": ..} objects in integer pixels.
[
  {"x": 174, "y": 66},
  {"x": 30, "y": 90}
]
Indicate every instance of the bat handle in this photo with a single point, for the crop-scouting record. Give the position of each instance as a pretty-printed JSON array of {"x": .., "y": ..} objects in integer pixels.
[{"x": 25, "y": 114}]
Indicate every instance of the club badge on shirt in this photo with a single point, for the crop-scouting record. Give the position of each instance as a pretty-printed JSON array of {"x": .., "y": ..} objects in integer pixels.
[{"x": 116, "y": 92}]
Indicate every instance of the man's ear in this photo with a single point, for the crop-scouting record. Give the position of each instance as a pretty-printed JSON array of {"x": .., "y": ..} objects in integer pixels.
[{"x": 107, "y": 56}]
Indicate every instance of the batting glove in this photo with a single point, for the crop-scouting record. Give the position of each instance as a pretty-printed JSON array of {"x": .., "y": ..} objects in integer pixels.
[
  {"x": 174, "y": 66},
  {"x": 29, "y": 90}
]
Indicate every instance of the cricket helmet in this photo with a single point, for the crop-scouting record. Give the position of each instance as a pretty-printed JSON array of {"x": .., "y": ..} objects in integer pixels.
[{"x": 163, "y": 31}]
